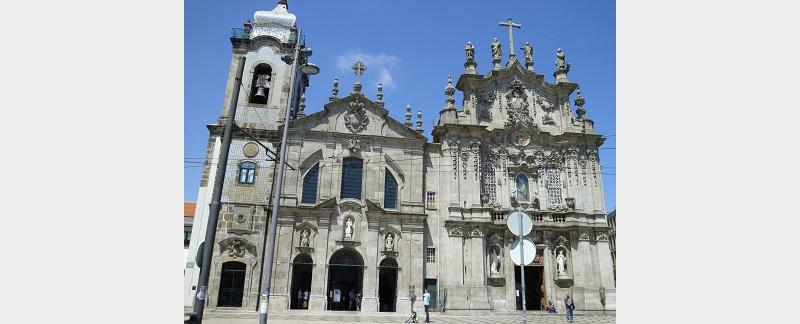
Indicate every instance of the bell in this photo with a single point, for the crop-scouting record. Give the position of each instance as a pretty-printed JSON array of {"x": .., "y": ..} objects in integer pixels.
[{"x": 260, "y": 94}]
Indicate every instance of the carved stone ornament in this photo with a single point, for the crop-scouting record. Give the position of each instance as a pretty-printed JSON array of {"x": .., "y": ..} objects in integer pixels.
[
  {"x": 476, "y": 231},
  {"x": 602, "y": 236},
  {"x": 250, "y": 150},
  {"x": 584, "y": 236},
  {"x": 354, "y": 145},
  {"x": 456, "y": 231},
  {"x": 517, "y": 105},
  {"x": 356, "y": 117},
  {"x": 236, "y": 249},
  {"x": 561, "y": 240},
  {"x": 520, "y": 137},
  {"x": 240, "y": 218},
  {"x": 496, "y": 239}
]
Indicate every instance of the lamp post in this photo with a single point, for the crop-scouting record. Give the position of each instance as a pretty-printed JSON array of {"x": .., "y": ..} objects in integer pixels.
[{"x": 308, "y": 69}]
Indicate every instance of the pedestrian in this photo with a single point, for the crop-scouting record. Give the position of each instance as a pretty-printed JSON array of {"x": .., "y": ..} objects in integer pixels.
[
  {"x": 358, "y": 301},
  {"x": 550, "y": 307},
  {"x": 426, "y": 301},
  {"x": 570, "y": 305},
  {"x": 351, "y": 296},
  {"x": 305, "y": 299}
]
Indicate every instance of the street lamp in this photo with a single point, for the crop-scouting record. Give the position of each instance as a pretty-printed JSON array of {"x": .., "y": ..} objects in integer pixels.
[{"x": 307, "y": 69}]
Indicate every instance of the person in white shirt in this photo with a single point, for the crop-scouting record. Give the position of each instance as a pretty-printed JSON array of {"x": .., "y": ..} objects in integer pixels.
[{"x": 426, "y": 301}]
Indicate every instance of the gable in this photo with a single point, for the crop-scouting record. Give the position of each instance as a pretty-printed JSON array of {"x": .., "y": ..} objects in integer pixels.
[{"x": 355, "y": 114}]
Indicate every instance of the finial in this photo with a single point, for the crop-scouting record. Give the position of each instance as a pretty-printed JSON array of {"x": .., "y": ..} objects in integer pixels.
[
  {"x": 408, "y": 115},
  {"x": 449, "y": 91},
  {"x": 359, "y": 69},
  {"x": 380, "y": 94},
  {"x": 580, "y": 101},
  {"x": 334, "y": 90},
  {"x": 301, "y": 106},
  {"x": 419, "y": 121}
]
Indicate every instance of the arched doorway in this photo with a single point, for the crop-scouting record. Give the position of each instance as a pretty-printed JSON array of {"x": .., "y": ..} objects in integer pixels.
[
  {"x": 302, "y": 267},
  {"x": 387, "y": 285},
  {"x": 231, "y": 284},
  {"x": 345, "y": 274}
]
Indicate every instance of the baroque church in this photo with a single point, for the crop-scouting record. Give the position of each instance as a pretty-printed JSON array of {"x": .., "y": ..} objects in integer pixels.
[{"x": 372, "y": 212}]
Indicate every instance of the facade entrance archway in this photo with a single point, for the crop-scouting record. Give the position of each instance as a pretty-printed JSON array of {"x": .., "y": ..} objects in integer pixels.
[
  {"x": 345, "y": 278},
  {"x": 535, "y": 298},
  {"x": 231, "y": 284},
  {"x": 387, "y": 285},
  {"x": 302, "y": 269}
]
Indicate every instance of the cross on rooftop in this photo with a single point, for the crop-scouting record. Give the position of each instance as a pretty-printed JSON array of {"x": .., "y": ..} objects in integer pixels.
[
  {"x": 359, "y": 68},
  {"x": 511, "y": 26}
]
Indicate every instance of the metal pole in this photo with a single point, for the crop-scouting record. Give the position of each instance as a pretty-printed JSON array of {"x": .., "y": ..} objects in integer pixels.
[
  {"x": 213, "y": 214},
  {"x": 522, "y": 275},
  {"x": 273, "y": 223}
]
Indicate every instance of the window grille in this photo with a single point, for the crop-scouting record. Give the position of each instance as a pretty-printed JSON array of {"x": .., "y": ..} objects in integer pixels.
[
  {"x": 247, "y": 172},
  {"x": 390, "y": 191},
  {"x": 351, "y": 178},
  {"x": 430, "y": 255},
  {"x": 553, "y": 187},
  {"x": 431, "y": 199},
  {"x": 310, "y": 185},
  {"x": 488, "y": 181}
]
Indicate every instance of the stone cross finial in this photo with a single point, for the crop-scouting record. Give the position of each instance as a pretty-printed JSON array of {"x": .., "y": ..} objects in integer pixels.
[
  {"x": 301, "y": 106},
  {"x": 408, "y": 116},
  {"x": 419, "y": 121},
  {"x": 334, "y": 90},
  {"x": 359, "y": 69},
  {"x": 380, "y": 95},
  {"x": 449, "y": 91},
  {"x": 511, "y": 27}
]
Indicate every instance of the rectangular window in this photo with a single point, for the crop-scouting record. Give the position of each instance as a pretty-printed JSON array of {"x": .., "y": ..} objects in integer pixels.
[
  {"x": 310, "y": 185},
  {"x": 553, "y": 187},
  {"x": 247, "y": 173},
  {"x": 351, "y": 178},
  {"x": 187, "y": 236},
  {"x": 430, "y": 255},
  {"x": 390, "y": 191},
  {"x": 431, "y": 200}
]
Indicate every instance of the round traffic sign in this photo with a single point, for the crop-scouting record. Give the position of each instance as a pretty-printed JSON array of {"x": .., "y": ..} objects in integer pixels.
[
  {"x": 519, "y": 223},
  {"x": 523, "y": 253}
]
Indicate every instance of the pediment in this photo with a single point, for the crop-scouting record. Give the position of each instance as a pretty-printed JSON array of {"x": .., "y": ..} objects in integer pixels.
[{"x": 355, "y": 115}]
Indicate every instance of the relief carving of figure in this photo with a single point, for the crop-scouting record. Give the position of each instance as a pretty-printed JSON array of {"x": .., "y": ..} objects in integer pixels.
[
  {"x": 304, "y": 238},
  {"x": 496, "y": 49},
  {"x": 348, "y": 228},
  {"x": 561, "y": 261},
  {"x": 470, "y": 50},
  {"x": 389, "y": 242}
]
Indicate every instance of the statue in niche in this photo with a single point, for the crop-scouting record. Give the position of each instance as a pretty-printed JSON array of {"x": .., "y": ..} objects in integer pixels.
[
  {"x": 348, "y": 228},
  {"x": 389, "y": 242},
  {"x": 561, "y": 261},
  {"x": 304, "y": 242},
  {"x": 470, "y": 50},
  {"x": 496, "y": 260},
  {"x": 496, "y": 49}
]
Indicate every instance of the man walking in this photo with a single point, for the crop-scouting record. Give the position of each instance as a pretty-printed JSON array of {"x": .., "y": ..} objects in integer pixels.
[{"x": 426, "y": 301}]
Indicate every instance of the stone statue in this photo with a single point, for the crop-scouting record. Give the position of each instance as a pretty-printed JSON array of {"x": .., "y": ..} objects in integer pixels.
[
  {"x": 470, "y": 52},
  {"x": 348, "y": 228},
  {"x": 304, "y": 238},
  {"x": 496, "y": 260},
  {"x": 389, "y": 242},
  {"x": 561, "y": 61},
  {"x": 561, "y": 260},
  {"x": 496, "y": 49},
  {"x": 527, "y": 51}
]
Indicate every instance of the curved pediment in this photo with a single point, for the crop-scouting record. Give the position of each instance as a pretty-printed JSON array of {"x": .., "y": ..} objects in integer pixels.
[{"x": 355, "y": 115}]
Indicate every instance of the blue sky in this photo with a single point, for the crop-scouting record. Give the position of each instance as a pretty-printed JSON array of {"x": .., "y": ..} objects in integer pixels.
[{"x": 410, "y": 46}]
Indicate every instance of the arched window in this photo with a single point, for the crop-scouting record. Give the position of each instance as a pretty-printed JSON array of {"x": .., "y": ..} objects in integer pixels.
[
  {"x": 247, "y": 172},
  {"x": 351, "y": 178},
  {"x": 310, "y": 185},
  {"x": 262, "y": 82},
  {"x": 390, "y": 191},
  {"x": 522, "y": 187}
]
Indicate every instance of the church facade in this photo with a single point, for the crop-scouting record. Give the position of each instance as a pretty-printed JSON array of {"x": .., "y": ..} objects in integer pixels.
[{"x": 372, "y": 211}]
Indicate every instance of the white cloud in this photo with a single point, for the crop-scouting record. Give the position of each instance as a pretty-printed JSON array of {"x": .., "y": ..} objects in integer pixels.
[{"x": 379, "y": 67}]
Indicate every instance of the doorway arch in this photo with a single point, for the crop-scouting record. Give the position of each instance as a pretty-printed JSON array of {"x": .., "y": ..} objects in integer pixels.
[
  {"x": 231, "y": 284},
  {"x": 345, "y": 275},
  {"x": 387, "y": 285},
  {"x": 302, "y": 268}
]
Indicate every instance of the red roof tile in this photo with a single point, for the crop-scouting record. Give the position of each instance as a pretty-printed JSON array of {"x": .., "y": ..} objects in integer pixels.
[{"x": 188, "y": 209}]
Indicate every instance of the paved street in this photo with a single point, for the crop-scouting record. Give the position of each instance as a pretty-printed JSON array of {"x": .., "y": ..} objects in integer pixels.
[{"x": 435, "y": 318}]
